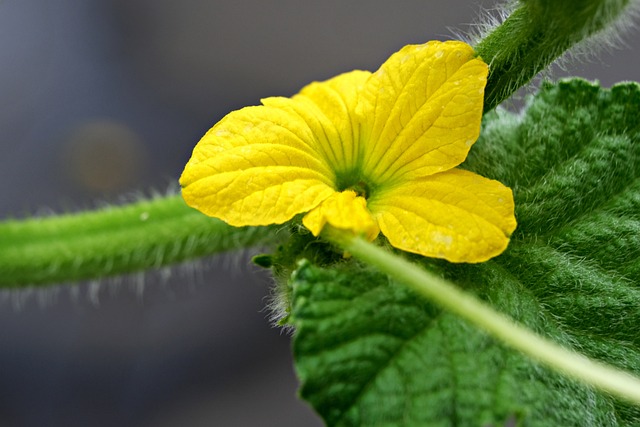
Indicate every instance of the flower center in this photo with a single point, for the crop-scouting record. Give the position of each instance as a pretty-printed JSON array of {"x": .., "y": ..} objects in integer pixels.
[{"x": 353, "y": 181}]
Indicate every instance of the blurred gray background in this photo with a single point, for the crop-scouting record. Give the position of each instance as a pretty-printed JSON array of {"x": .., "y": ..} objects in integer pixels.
[{"x": 103, "y": 99}]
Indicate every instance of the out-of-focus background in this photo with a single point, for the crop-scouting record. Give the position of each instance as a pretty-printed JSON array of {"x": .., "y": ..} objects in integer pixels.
[{"x": 106, "y": 98}]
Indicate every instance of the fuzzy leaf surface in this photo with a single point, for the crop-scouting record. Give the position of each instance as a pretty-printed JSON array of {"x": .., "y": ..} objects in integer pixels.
[{"x": 369, "y": 352}]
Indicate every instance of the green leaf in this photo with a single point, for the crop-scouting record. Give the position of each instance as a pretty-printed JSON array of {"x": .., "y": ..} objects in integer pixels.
[{"x": 369, "y": 352}]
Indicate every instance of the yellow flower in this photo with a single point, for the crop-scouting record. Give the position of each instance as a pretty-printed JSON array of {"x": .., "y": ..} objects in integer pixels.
[{"x": 365, "y": 153}]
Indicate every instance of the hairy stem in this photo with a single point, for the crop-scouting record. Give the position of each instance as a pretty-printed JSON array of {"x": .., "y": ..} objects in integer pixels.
[
  {"x": 536, "y": 34},
  {"x": 467, "y": 306},
  {"x": 115, "y": 241}
]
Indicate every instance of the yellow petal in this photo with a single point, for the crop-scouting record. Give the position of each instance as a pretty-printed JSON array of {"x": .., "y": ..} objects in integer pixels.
[
  {"x": 257, "y": 166},
  {"x": 256, "y": 125},
  {"x": 337, "y": 99},
  {"x": 345, "y": 211},
  {"x": 257, "y": 196},
  {"x": 254, "y": 156},
  {"x": 456, "y": 215},
  {"x": 329, "y": 109},
  {"x": 425, "y": 104}
]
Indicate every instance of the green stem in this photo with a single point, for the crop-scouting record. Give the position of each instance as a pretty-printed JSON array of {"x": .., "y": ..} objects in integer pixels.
[
  {"x": 472, "y": 309},
  {"x": 535, "y": 35},
  {"x": 114, "y": 241}
]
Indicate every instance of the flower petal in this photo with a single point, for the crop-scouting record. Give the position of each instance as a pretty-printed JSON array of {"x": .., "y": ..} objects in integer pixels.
[
  {"x": 256, "y": 125},
  {"x": 345, "y": 211},
  {"x": 257, "y": 166},
  {"x": 456, "y": 215},
  {"x": 425, "y": 104},
  {"x": 258, "y": 196},
  {"x": 329, "y": 109},
  {"x": 337, "y": 100}
]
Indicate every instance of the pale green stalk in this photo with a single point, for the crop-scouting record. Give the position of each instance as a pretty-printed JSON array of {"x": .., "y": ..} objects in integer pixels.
[{"x": 469, "y": 307}]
